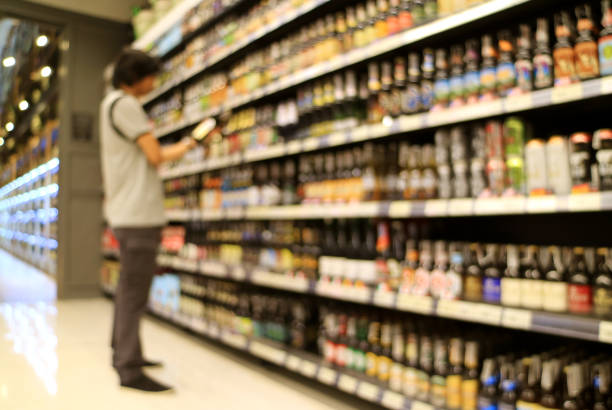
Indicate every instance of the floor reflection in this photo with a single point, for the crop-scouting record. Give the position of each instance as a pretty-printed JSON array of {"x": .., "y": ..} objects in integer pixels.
[{"x": 30, "y": 328}]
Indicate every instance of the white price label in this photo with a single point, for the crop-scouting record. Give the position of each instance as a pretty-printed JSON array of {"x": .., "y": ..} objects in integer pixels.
[
  {"x": 519, "y": 102},
  {"x": 311, "y": 144},
  {"x": 214, "y": 331},
  {"x": 199, "y": 326},
  {"x": 308, "y": 368},
  {"x": 436, "y": 207},
  {"x": 585, "y": 202},
  {"x": 449, "y": 308},
  {"x": 347, "y": 384},
  {"x": 517, "y": 318},
  {"x": 368, "y": 391},
  {"x": 606, "y": 85},
  {"x": 384, "y": 298},
  {"x": 213, "y": 268},
  {"x": 542, "y": 204},
  {"x": 482, "y": 110},
  {"x": 361, "y": 133},
  {"x": 327, "y": 376},
  {"x": 437, "y": 118},
  {"x": 488, "y": 314},
  {"x": 294, "y": 147},
  {"x": 413, "y": 303},
  {"x": 239, "y": 273},
  {"x": 235, "y": 340},
  {"x": 293, "y": 363},
  {"x": 234, "y": 213},
  {"x": 488, "y": 206},
  {"x": 512, "y": 205},
  {"x": 269, "y": 353},
  {"x": 393, "y": 400},
  {"x": 567, "y": 93},
  {"x": 337, "y": 138},
  {"x": 605, "y": 331},
  {"x": 357, "y": 294},
  {"x": 419, "y": 405},
  {"x": 400, "y": 209},
  {"x": 411, "y": 122},
  {"x": 460, "y": 207},
  {"x": 378, "y": 130}
]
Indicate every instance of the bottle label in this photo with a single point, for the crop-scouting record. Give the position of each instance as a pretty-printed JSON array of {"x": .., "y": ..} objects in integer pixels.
[
  {"x": 329, "y": 351},
  {"x": 604, "y": 160},
  {"x": 359, "y": 361},
  {"x": 349, "y": 358},
  {"x": 506, "y": 77},
  {"x": 511, "y": 292},
  {"x": 602, "y": 301},
  {"x": 371, "y": 364},
  {"x": 411, "y": 99},
  {"x": 486, "y": 403},
  {"x": 580, "y": 166},
  {"x": 587, "y": 64},
  {"x": 454, "y": 285},
  {"x": 531, "y": 294},
  {"x": 438, "y": 283},
  {"x": 605, "y": 55},
  {"x": 456, "y": 86},
  {"x": 555, "y": 296},
  {"x": 580, "y": 298},
  {"x": 473, "y": 288},
  {"x": 488, "y": 78},
  {"x": 438, "y": 391},
  {"x": 542, "y": 68},
  {"x": 341, "y": 355},
  {"x": 524, "y": 70},
  {"x": 469, "y": 394},
  {"x": 384, "y": 368},
  {"x": 411, "y": 385},
  {"x": 424, "y": 384},
  {"x": 471, "y": 81},
  {"x": 442, "y": 91},
  {"x": 421, "y": 282},
  {"x": 427, "y": 94},
  {"x": 405, "y": 19},
  {"x": 396, "y": 378},
  {"x": 453, "y": 391},
  {"x": 565, "y": 68},
  {"x": 491, "y": 290}
]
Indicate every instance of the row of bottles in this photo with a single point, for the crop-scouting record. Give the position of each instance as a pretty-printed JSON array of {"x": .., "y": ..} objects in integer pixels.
[
  {"x": 397, "y": 257},
  {"x": 497, "y": 158}
]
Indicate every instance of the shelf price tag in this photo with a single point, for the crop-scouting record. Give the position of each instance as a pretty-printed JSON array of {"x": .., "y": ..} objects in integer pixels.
[
  {"x": 293, "y": 147},
  {"x": 368, "y": 391},
  {"x": 542, "y": 204},
  {"x": 347, "y": 384},
  {"x": 585, "y": 202},
  {"x": 361, "y": 133},
  {"x": 413, "y": 303},
  {"x": 384, "y": 298},
  {"x": 269, "y": 353},
  {"x": 606, "y": 85},
  {"x": 488, "y": 314},
  {"x": 411, "y": 122},
  {"x": 488, "y": 206},
  {"x": 327, "y": 376},
  {"x": 436, "y": 207},
  {"x": 567, "y": 93},
  {"x": 450, "y": 308},
  {"x": 393, "y": 400},
  {"x": 519, "y": 102},
  {"x": 235, "y": 340},
  {"x": 460, "y": 207},
  {"x": 337, "y": 138},
  {"x": 308, "y": 368},
  {"x": 293, "y": 363},
  {"x": 311, "y": 144},
  {"x": 517, "y": 318},
  {"x": 400, "y": 209},
  {"x": 605, "y": 331},
  {"x": 419, "y": 405}
]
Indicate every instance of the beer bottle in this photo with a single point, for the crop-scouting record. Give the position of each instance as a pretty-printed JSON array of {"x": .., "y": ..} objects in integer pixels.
[
  {"x": 531, "y": 282},
  {"x": 398, "y": 356},
  {"x": 471, "y": 78},
  {"x": 530, "y": 395},
  {"x": 488, "y": 71},
  {"x": 605, "y": 39},
  {"x": 491, "y": 282},
  {"x": 425, "y": 367},
  {"x": 542, "y": 58},
  {"x": 441, "y": 84},
  {"x": 384, "y": 359},
  {"x": 427, "y": 80},
  {"x": 587, "y": 62},
  {"x": 602, "y": 285},
  {"x": 469, "y": 384},
  {"x": 455, "y": 374},
  {"x": 411, "y": 372},
  {"x": 457, "y": 86},
  {"x": 506, "y": 73},
  {"x": 555, "y": 284},
  {"x": 508, "y": 385},
  {"x": 455, "y": 273},
  {"x": 564, "y": 56},
  {"x": 489, "y": 379},
  {"x": 374, "y": 348},
  {"x": 511, "y": 282},
  {"x": 411, "y": 97},
  {"x": 473, "y": 274},
  {"x": 440, "y": 373},
  {"x": 580, "y": 292},
  {"x": 524, "y": 65},
  {"x": 551, "y": 389}
]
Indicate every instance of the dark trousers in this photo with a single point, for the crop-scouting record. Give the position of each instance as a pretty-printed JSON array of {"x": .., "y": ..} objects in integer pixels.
[{"x": 138, "y": 252}]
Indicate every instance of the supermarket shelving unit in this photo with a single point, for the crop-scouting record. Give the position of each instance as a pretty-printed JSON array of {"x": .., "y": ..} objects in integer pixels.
[{"x": 560, "y": 324}]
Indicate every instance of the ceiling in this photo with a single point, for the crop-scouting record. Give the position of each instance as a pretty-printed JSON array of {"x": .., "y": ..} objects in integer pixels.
[{"x": 117, "y": 10}]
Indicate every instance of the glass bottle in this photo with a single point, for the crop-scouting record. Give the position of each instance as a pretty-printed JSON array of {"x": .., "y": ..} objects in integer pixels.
[
  {"x": 488, "y": 71},
  {"x": 442, "y": 83},
  {"x": 506, "y": 72},
  {"x": 455, "y": 273},
  {"x": 524, "y": 65},
  {"x": 457, "y": 86},
  {"x": 605, "y": 39},
  {"x": 455, "y": 374},
  {"x": 473, "y": 274},
  {"x": 440, "y": 372},
  {"x": 564, "y": 56},
  {"x": 427, "y": 80},
  {"x": 411, "y": 372},
  {"x": 425, "y": 367},
  {"x": 398, "y": 356},
  {"x": 580, "y": 292},
  {"x": 489, "y": 380},
  {"x": 491, "y": 282},
  {"x": 469, "y": 384},
  {"x": 542, "y": 58},
  {"x": 602, "y": 285},
  {"x": 411, "y": 97},
  {"x": 471, "y": 77},
  {"x": 511, "y": 282},
  {"x": 585, "y": 49},
  {"x": 555, "y": 284},
  {"x": 531, "y": 281}
]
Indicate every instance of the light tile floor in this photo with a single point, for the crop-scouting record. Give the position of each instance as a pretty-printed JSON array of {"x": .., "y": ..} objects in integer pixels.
[{"x": 55, "y": 356}]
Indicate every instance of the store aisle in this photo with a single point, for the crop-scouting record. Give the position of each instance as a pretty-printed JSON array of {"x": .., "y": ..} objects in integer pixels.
[{"x": 56, "y": 357}]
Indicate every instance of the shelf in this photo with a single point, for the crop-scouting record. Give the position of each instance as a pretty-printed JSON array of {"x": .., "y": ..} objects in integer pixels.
[
  {"x": 375, "y": 49},
  {"x": 403, "y": 124},
  {"x": 162, "y": 26},
  {"x": 298, "y": 361},
  {"x": 261, "y": 33},
  {"x": 435, "y": 208},
  {"x": 580, "y": 327}
]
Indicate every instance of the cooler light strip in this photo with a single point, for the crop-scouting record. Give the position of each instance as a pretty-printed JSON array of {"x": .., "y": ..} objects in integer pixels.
[
  {"x": 32, "y": 175},
  {"x": 33, "y": 240},
  {"x": 49, "y": 190},
  {"x": 40, "y": 215}
]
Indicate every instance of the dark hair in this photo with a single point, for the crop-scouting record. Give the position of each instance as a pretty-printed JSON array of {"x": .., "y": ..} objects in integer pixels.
[{"x": 132, "y": 66}]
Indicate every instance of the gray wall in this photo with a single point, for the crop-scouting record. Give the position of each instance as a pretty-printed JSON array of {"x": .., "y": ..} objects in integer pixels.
[{"x": 89, "y": 45}]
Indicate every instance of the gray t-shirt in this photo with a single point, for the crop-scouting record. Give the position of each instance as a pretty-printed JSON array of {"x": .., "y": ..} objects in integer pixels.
[{"x": 132, "y": 187}]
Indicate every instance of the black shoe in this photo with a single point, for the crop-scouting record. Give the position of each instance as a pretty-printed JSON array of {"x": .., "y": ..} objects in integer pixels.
[
  {"x": 147, "y": 384},
  {"x": 150, "y": 363}
]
